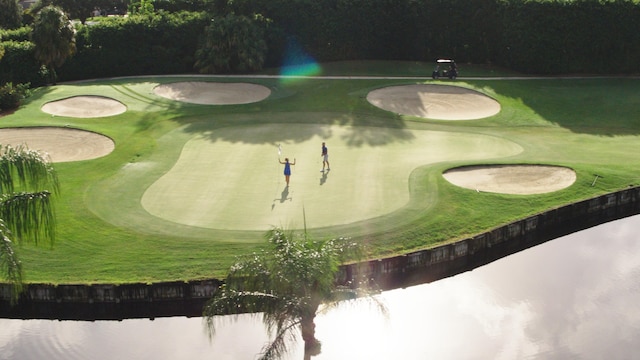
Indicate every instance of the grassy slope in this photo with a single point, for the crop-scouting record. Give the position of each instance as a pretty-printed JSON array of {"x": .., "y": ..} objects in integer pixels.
[{"x": 589, "y": 125}]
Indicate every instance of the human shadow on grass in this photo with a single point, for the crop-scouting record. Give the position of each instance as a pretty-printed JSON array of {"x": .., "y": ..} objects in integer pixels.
[
  {"x": 284, "y": 196},
  {"x": 323, "y": 179}
]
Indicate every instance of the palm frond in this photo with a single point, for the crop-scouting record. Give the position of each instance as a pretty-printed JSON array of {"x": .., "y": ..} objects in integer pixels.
[
  {"x": 27, "y": 169},
  {"x": 9, "y": 262},
  {"x": 29, "y": 216},
  {"x": 279, "y": 345},
  {"x": 228, "y": 302},
  {"x": 250, "y": 273}
]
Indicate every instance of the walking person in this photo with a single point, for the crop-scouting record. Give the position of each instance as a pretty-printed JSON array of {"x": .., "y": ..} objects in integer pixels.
[
  {"x": 287, "y": 168},
  {"x": 325, "y": 157}
]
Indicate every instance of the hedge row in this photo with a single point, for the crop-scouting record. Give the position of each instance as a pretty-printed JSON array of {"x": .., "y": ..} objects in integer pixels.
[
  {"x": 19, "y": 34},
  {"x": 19, "y": 65},
  {"x": 546, "y": 37},
  {"x": 140, "y": 45},
  {"x": 543, "y": 37},
  {"x": 584, "y": 36}
]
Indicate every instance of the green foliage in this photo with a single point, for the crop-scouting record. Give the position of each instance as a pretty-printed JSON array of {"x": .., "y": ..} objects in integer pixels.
[
  {"x": 20, "y": 34},
  {"x": 545, "y": 37},
  {"x": 12, "y": 96},
  {"x": 76, "y": 9},
  {"x": 160, "y": 43},
  {"x": 587, "y": 36},
  {"x": 80, "y": 9},
  {"x": 54, "y": 38},
  {"x": 10, "y": 14},
  {"x": 142, "y": 7},
  {"x": 532, "y": 36},
  {"x": 26, "y": 211},
  {"x": 287, "y": 283},
  {"x": 231, "y": 44},
  {"x": 19, "y": 65}
]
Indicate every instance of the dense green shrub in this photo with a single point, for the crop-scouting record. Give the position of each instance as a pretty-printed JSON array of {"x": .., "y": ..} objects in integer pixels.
[
  {"x": 586, "y": 36},
  {"x": 546, "y": 36},
  {"x": 231, "y": 44},
  {"x": 160, "y": 43},
  {"x": 10, "y": 14},
  {"x": 383, "y": 29},
  {"x": 11, "y": 96},
  {"x": 19, "y": 65},
  {"x": 19, "y": 34}
]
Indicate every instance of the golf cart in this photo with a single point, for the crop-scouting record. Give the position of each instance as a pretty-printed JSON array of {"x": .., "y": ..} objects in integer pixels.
[{"x": 450, "y": 69}]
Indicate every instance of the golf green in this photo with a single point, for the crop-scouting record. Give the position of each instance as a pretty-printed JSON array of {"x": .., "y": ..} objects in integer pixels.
[{"x": 233, "y": 181}]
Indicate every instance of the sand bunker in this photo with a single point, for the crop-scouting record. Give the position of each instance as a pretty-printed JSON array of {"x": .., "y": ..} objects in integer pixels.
[
  {"x": 211, "y": 93},
  {"x": 512, "y": 179},
  {"x": 62, "y": 144},
  {"x": 85, "y": 107},
  {"x": 441, "y": 102}
]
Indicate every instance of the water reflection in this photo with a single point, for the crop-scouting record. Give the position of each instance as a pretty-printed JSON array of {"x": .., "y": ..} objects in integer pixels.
[{"x": 573, "y": 297}]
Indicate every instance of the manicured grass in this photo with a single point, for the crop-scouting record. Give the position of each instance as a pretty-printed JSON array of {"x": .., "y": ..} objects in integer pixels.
[{"x": 105, "y": 235}]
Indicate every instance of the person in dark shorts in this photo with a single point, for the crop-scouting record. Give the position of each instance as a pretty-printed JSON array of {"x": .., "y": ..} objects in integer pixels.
[
  {"x": 287, "y": 168},
  {"x": 325, "y": 157}
]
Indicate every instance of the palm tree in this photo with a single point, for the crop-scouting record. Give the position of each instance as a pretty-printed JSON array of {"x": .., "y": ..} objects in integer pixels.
[
  {"x": 287, "y": 284},
  {"x": 26, "y": 211},
  {"x": 54, "y": 37}
]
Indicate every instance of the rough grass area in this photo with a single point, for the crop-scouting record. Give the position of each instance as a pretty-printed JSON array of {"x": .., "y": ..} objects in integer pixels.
[{"x": 113, "y": 228}]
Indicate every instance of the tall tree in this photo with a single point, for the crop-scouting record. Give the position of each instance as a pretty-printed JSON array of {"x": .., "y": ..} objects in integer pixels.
[
  {"x": 27, "y": 183},
  {"x": 10, "y": 14},
  {"x": 54, "y": 37},
  {"x": 288, "y": 284}
]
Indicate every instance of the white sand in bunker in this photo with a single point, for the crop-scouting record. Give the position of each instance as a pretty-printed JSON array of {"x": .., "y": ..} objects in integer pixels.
[
  {"x": 442, "y": 102},
  {"x": 84, "y": 107},
  {"x": 212, "y": 93},
  {"x": 512, "y": 179},
  {"x": 61, "y": 144},
  {"x": 224, "y": 181}
]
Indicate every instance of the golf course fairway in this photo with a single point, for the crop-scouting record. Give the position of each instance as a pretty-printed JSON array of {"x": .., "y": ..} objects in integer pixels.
[{"x": 175, "y": 189}]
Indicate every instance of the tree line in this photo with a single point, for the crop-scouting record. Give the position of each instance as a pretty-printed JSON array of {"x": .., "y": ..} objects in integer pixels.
[{"x": 219, "y": 36}]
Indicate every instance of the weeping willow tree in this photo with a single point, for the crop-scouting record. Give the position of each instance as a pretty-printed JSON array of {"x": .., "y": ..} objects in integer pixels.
[
  {"x": 289, "y": 284},
  {"x": 27, "y": 183}
]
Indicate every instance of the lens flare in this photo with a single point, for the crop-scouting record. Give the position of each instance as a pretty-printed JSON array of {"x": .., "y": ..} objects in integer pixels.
[{"x": 297, "y": 64}]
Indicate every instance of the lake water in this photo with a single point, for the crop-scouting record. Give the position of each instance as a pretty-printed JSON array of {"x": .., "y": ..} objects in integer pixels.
[{"x": 575, "y": 297}]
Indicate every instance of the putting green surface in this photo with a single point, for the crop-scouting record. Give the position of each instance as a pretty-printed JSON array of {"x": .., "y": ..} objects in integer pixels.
[{"x": 235, "y": 182}]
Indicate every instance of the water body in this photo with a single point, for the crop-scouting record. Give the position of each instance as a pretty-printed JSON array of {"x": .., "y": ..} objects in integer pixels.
[{"x": 575, "y": 297}]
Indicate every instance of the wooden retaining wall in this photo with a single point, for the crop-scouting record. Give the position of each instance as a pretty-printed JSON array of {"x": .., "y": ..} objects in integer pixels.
[{"x": 116, "y": 302}]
